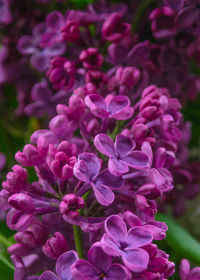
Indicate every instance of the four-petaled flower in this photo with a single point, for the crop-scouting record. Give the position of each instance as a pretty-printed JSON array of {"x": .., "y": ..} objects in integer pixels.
[
  {"x": 121, "y": 154},
  {"x": 99, "y": 266},
  {"x": 116, "y": 107},
  {"x": 118, "y": 242},
  {"x": 87, "y": 170}
]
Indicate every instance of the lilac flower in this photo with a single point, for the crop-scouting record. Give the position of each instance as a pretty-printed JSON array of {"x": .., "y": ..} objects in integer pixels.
[
  {"x": 186, "y": 273},
  {"x": 87, "y": 170},
  {"x": 121, "y": 154},
  {"x": 157, "y": 229},
  {"x": 163, "y": 22},
  {"x": 118, "y": 242},
  {"x": 63, "y": 267},
  {"x": 98, "y": 266},
  {"x": 113, "y": 29},
  {"x": 116, "y": 107},
  {"x": 61, "y": 73},
  {"x": 70, "y": 31},
  {"x": 30, "y": 45},
  {"x": 91, "y": 58},
  {"x": 70, "y": 204},
  {"x": 52, "y": 35},
  {"x": 55, "y": 246},
  {"x": 44, "y": 101}
]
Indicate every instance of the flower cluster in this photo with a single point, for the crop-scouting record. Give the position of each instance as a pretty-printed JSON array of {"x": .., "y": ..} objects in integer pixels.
[
  {"x": 100, "y": 166},
  {"x": 116, "y": 144}
]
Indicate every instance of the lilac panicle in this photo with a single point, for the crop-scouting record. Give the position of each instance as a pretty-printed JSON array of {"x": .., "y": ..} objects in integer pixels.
[{"x": 116, "y": 142}]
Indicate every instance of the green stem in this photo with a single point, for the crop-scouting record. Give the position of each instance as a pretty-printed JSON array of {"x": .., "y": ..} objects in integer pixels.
[
  {"x": 139, "y": 14},
  {"x": 78, "y": 241}
]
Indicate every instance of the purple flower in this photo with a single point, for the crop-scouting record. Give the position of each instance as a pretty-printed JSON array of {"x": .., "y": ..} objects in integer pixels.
[
  {"x": 52, "y": 35},
  {"x": 55, "y": 246},
  {"x": 63, "y": 267},
  {"x": 16, "y": 181},
  {"x": 98, "y": 266},
  {"x": 121, "y": 154},
  {"x": 61, "y": 73},
  {"x": 91, "y": 58},
  {"x": 118, "y": 242},
  {"x": 186, "y": 273},
  {"x": 87, "y": 170},
  {"x": 114, "y": 29},
  {"x": 21, "y": 201},
  {"x": 44, "y": 100},
  {"x": 70, "y": 204},
  {"x": 70, "y": 31},
  {"x": 30, "y": 45},
  {"x": 116, "y": 107},
  {"x": 163, "y": 22}
]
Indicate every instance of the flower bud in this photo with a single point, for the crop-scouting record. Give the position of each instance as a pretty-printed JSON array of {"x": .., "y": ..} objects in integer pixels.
[
  {"x": 70, "y": 204},
  {"x": 16, "y": 180},
  {"x": 91, "y": 58},
  {"x": 70, "y": 31},
  {"x": 21, "y": 201},
  {"x": 55, "y": 246},
  {"x": 34, "y": 236},
  {"x": 33, "y": 154}
]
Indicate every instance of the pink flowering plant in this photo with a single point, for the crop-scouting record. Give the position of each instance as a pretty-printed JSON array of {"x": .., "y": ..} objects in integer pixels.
[{"x": 106, "y": 89}]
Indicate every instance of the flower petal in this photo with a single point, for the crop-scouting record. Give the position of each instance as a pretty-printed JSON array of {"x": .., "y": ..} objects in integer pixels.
[
  {"x": 137, "y": 160},
  {"x": 48, "y": 275},
  {"x": 110, "y": 246},
  {"x": 97, "y": 105},
  {"x": 117, "y": 167},
  {"x": 119, "y": 108},
  {"x": 138, "y": 237},
  {"x": 89, "y": 165},
  {"x": 64, "y": 263},
  {"x": 104, "y": 144},
  {"x": 136, "y": 259},
  {"x": 117, "y": 271},
  {"x": 116, "y": 228},
  {"x": 41, "y": 92},
  {"x": 104, "y": 195},
  {"x": 124, "y": 145},
  {"x": 40, "y": 61},
  {"x": 99, "y": 258},
  {"x": 82, "y": 270},
  {"x": 107, "y": 179}
]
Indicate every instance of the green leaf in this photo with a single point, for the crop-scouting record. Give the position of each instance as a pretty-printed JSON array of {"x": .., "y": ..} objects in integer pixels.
[{"x": 180, "y": 240}]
